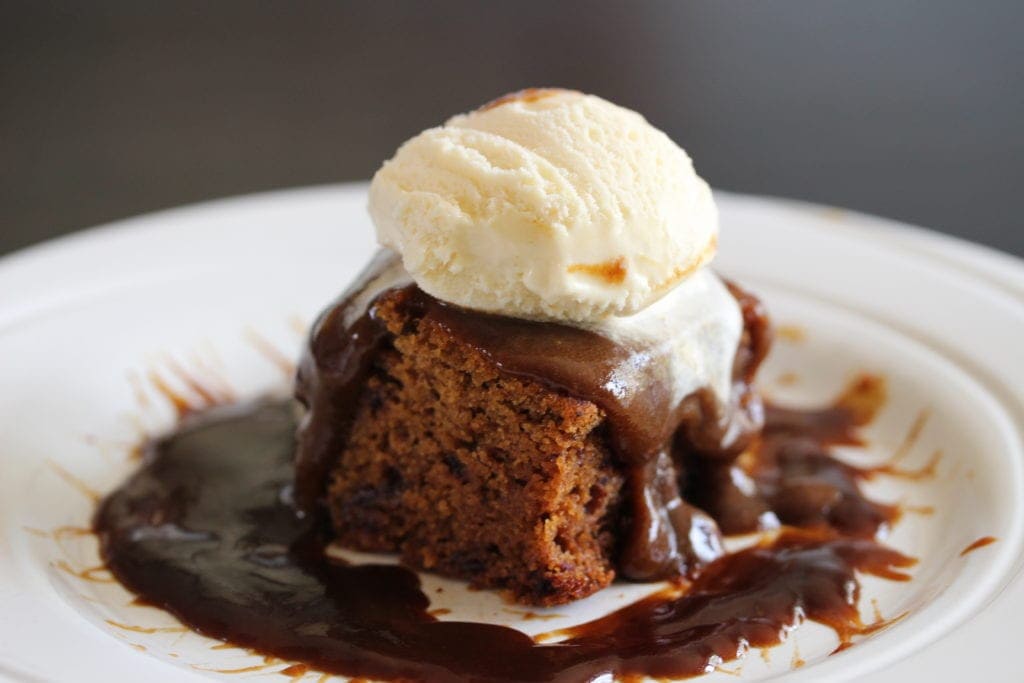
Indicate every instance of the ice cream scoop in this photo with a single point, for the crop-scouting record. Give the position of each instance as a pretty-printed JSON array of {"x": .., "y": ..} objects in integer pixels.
[{"x": 545, "y": 204}]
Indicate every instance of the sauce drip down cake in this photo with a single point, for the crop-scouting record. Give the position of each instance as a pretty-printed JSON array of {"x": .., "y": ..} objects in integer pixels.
[
  {"x": 513, "y": 391},
  {"x": 537, "y": 385}
]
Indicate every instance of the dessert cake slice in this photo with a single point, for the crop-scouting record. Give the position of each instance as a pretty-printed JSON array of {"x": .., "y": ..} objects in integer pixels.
[
  {"x": 470, "y": 472},
  {"x": 490, "y": 448},
  {"x": 511, "y": 392}
]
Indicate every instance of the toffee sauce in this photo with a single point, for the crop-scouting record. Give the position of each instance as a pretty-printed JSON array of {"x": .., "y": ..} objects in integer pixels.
[
  {"x": 789, "y": 477},
  {"x": 208, "y": 527},
  {"x": 206, "y": 530},
  {"x": 651, "y": 435}
]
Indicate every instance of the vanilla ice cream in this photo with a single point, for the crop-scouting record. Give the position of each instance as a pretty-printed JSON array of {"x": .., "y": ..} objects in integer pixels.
[{"x": 546, "y": 204}]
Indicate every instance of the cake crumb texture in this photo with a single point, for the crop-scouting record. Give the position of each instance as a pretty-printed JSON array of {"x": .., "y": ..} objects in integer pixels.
[{"x": 473, "y": 473}]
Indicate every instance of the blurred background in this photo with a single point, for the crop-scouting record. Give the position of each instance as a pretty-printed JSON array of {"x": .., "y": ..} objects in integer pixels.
[{"x": 908, "y": 109}]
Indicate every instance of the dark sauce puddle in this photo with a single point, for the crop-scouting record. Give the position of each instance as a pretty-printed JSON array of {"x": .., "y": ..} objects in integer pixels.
[{"x": 205, "y": 529}]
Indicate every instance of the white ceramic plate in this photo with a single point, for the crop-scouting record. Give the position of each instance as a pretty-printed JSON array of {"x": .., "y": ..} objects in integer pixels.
[{"x": 90, "y": 324}]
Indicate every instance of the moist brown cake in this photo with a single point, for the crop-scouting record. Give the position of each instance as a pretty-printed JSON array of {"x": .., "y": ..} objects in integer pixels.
[
  {"x": 508, "y": 452},
  {"x": 471, "y": 472}
]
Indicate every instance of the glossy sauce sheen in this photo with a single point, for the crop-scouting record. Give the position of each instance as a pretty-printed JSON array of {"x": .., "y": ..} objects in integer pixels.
[
  {"x": 665, "y": 537},
  {"x": 789, "y": 476},
  {"x": 206, "y": 530}
]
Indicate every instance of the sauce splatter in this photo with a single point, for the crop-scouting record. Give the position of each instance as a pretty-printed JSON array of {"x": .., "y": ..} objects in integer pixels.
[
  {"x": 980, "y": 543},
  {"x": 204, "y": 530},
  {"x": 794, "y": 334},
  {"x": 272, "y": 353},
  {"x": 75, "y": 483},
  {"x": 97, "y": 574}
]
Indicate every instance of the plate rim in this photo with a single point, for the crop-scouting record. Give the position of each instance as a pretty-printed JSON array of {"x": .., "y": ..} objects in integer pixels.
[{"x": 28, "y": 260}]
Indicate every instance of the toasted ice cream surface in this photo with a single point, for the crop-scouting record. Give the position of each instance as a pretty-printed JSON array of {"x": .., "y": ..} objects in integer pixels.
[{"x": 545, "y": 204}]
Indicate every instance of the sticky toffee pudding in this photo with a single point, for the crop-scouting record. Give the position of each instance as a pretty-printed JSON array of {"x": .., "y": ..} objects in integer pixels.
[{"x": 536, "y": 386}]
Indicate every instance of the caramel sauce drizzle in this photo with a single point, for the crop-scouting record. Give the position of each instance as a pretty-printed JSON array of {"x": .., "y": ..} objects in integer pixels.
[
  {"x": 147, "y": 629},
  {"x": 529, "y": 615},
  {"x": 206, "y": 392},
  {"x": 272, "y": 353},
  {"x": 181, "y": 404},
  {"x": 756, "y": 565},
  {"x": 926, "y": 471},
  {"x": 856, "y": 406},
  {"x": 911, "y": 438},
  {"x": 298, "y": 325},
  {"x": 794, "y": 334},
  {"x": 238, "y": 670},
  {"x": 92, "y": 494},
  {"x": 980, "y": 543},
  {"x": 787, "y": 379},
  {"x": 97, "y": 574}
]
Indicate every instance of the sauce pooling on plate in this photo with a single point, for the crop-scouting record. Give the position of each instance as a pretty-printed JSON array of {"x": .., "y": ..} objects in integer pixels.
[
  {"x": 206, "y": 530},
  {"x": 648, "y": 421}
]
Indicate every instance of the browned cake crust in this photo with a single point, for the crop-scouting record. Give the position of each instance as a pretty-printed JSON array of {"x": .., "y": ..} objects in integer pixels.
[{"x": 470, "y": 472}]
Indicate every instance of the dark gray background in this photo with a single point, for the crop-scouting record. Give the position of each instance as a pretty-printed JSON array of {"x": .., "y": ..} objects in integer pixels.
[{"x": 913, "y": 110}]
